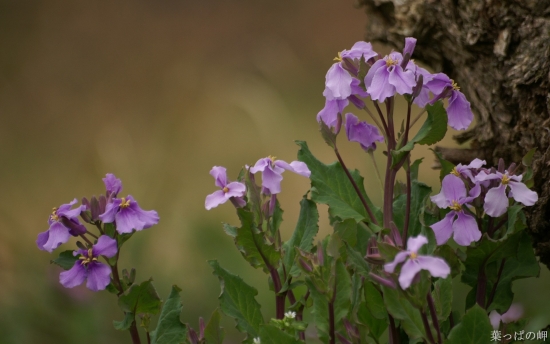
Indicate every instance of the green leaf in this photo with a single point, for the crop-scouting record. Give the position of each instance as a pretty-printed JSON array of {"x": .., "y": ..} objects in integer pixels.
[
  {"x": 142, "y": 298},
  {"x": 432, "y": 131},
  {"x": 306, "y": 229},
  {"x": 516, "y": 219},
  {"x": 252, "y": 244},
  {"x": 342, "y": 302},
  {"x": 449, "y": 255},
  {"x": 375, "y": 302},
  {"x": 419, "y": 193},
  {"x": 170, "y": 329},
  {"x": 474, "y": 328},
  {"x": 237, "y": 300},
  {"x": 357, "y": 261},
  {"x": 320, "y": 310},
  {"x": 109, "y": 229},
  {"x": 376, "y": 326},
  {"x": 269, "y": 334},
  {"x": 213, "y": 333},
  {"x": 125, "y": 323},
  {"x": 66, "y": 259},
  {"x": 527, "y": 160},
  {"x": 401, "y": 309},
  {"x": 347, "y": 230},
  {"x": 443, "y": 297},
  {"x": 446, "y": 167},
  {"x": 330, "y": 185}
]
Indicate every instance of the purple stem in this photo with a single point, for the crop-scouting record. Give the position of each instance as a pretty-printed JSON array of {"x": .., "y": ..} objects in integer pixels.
[
  {"x": 481, "y": 286},
  {"x": 493, "y": 291},
  {"x": 433, "y": 313},
  {"x": 427, "y": 327},
  {"x": 408, "y": 205},
  {"x": 332, "y": 327},
  {"x": 394, "y": 337}
]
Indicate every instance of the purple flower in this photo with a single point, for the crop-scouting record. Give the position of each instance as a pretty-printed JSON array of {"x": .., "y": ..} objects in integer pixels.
[
  {"x": 423, "y": 97},
  {"x": 113, "y": 185},
  {"x": 359, "y": 49},
  {"x": 362, "y": 132},
  {"x": 233, "y": 190},
  {"x": 414, "y": 263},
  {"x": 329, "y": 114},
  {"x": 386, "y": 77},
  {"x": 88, "y": 267},
  {"x": 466, "y": 171},
  {"x": 127, "y": 215},
  {"x": 63, "y": 223},
  {"x": 464, "y": 226},
  {"x": 410, "y": 44},
  {"x": 272, "y": 169},
  {"x": 496, "y": 201},
  {"x": 459, "y": 112}
]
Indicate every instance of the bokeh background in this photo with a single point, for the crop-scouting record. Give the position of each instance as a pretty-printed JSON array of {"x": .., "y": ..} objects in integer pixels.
[{"x": 158, "y": 93}]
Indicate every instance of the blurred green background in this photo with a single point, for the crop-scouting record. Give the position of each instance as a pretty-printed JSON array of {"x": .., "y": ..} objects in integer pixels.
[{"x": 158, "y": 93}]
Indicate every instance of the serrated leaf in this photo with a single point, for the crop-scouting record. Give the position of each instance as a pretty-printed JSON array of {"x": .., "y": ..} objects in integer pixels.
[
  {"x": 342, "y": 301},
  {"x": 252, "y": 243},
  {"x": 125, "y": 323},
  {"x": 319, "y": 310},
  {"x": 65, "y": 260},
  {"x": 213, "y": 333},
  {"x": 306, "y": 229},
  {"x": 474, "y": 328},
  {"x": 170, "y": 329},
  {"x": 270, "y": 334},
  {"x": 401, "y": 309},
  {"x": 237, "y": 300},
  {"x": 331, "y": 186},
  {"x": 142, "y": 298},
  {"x": 347, "y": 230},
  {"x": 432, "y": 131}
]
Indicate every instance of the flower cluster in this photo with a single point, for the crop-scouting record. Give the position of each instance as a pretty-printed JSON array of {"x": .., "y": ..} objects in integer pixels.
[
  {"x": 489, "y": 185},
  {"x": 124, "y": 213}
]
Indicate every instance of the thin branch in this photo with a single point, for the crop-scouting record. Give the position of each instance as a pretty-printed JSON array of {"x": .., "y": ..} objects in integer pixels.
[
  {"x": 433, "y": 313},
  {"x": 494, "y": 289}
]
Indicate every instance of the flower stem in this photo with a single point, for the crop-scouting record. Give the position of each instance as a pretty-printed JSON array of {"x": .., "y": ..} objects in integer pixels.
[
  {"x": 371, "y": 154},
  {"x": 493, "y": 291},
  {"x": 394, "y": 337},
  {"x": 427, "y": 327},
  {"x": 481, "y": 286},
  {"x": 408, "y": 205},
  {"x": 332, "y": 327},
  {"x": 361, "y": 197},
  {"x": 433, "y": 313},
  {"x": 418, "y": 117}
]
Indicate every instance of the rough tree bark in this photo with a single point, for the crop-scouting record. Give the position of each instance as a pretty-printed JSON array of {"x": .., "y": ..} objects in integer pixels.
[{"x": 498, "y": 51}]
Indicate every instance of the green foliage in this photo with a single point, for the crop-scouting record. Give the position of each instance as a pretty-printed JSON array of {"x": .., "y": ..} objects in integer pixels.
[
  {"x": 302, "y": 238},
  {"x": 446, "y": 166},
  {"x": 419, "y": 194},
  {"x": 237, "y": 300},
  {"x": 213, "y": 333},
  {"x": 65, "y": 260},
  {"x": 170, "y": 329},
  {"x": 330, "y": 185},
  {"x": 401, "y": 309},
  {"x": 252, "y": 244},
  {"x": 442, "y": 295},
  {"x": 270, "y": 334},
  {"x": 142, "y": 298},
  {"x": 125, "y": 323},
  {"x": 474, "y": 328}
]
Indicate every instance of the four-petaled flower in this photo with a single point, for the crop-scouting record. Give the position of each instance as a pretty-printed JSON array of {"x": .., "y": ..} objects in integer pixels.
[
  {"x": 88, "y": 267},
  {"x": 228, "y": 190},
  {"x": 271, "y": 172},
  {"x": 127, "y": 215},
  {"x": 459, "y": 112},
  {"x": 63, "y": 223},
  {"x": 453, "y": 195},
  {"x": 415, "y": 262},
  {"x": 496, "y": 201},
  {"x": 386, "y": 77},
  {"x": 362, "y": 132},
  {"x": 466, "y": 171}
]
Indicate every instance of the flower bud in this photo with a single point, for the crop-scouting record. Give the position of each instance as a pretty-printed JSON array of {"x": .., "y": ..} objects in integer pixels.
[
  {"x": 75, "y": 228},
  {"x": 410, "y": 44},
  {"x": 396, "y": 236},
  {"x": 202, "y": 326},
  {"x": 94, "y": 209},
  {"x": 305, "y": 265},
  {"x": 350, "y": 66},
  {"x": 192, "y": 336},
  {"x": 358, "y": 102},
  {"x": 102, "y": 204},
  {"x": 383, "y": 281}
]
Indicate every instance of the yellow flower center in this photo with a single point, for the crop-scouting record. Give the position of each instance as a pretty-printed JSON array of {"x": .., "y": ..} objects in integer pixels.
[
  {"x": 54, "y": 215},
  {"x": 505, "y": 179},
  {"x": 225, "y": 189},
  {"x": 90, "y": 258},
  {"x": 272, "y": 158},
  {"x": 339, "y": 57},
  {"x": 413, "y": 255},
  {"x": 455, "y": 85},
  {"x": 391, "y": 62},
  {"x": 124, "y": 203},
  {"x": 455, "y": 206},
  {"x": 455, "y": 172}
]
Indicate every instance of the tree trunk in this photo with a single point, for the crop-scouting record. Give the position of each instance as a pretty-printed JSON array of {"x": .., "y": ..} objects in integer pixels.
[{"x": 498, "y": 53}]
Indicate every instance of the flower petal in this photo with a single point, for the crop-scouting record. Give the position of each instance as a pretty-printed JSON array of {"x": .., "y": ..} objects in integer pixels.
[
  {"x": 408, "y": 271},
  {"x": 496, "y": 201},
  {"x": 126, "y": 220},
  {"x": 522, "y": 194},
  {"x": 494, "y": 318},
  {"x": 73, "y": 277},
  {"x": 220, "y": 175},
  {"x": 453, "y": 188},
  {"x": 215, "y": 199},
  {"x": 110, "y": 211},
  {"x": 113, "y": 185},
  {"x": 459, "y": 112},
  {"x": 414, "y": 244},
  {"x": 271, "y": 180},
  {"x": 260, "y": 165},
  {"x": 338, "y": 82},
  {"x": 99, "y": 276},
  {"x": 297, "y": 167},
  {"x": 438, "y": 83},
  {"x": 435, "y": 265},
  {"x": 402, "y": 80},
  {"x": 360, "y": 49},
  {"x": 57, "y": 235},
  {"x": 373, "y": 69},
  {"x": 380, "y": 88},
  {"x": 444, "y": 228},
  {"x": 105, "y": 246},
  {"x": 235, "y": 189},
  {"x": 515, "y": 312},
  {"x": 399, "y": 258},
  {"x": 465, "y": 229},
  {"x": 329, "y": 114}
]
